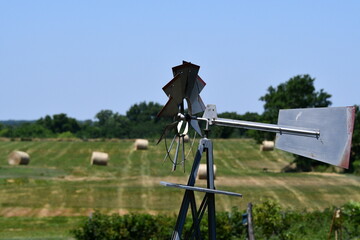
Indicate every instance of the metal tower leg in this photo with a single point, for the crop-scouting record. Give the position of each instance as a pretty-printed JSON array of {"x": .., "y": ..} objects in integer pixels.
[
  {"x": 210, "y": 185},
  {"x": 189, "y": 198},
  {"x": 188, "y": 194}
]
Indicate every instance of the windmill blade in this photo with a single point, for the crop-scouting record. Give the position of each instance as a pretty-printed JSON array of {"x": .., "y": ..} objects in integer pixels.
[
  {"x": 170, "y": 109},
  {"x": 195, "y": 103},
  {"x": 186, "y": 84},
  {"x": 188, "y": 69},
  {"x": 334, "y": 143},
  {"x": 195, "y": 125},
  {"x": 176, "y": 87}
]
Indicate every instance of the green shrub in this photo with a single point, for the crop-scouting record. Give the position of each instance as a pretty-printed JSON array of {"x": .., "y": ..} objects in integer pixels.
[
  {"x": 145, "y": 226},
  {"x": 269, "y": 219},
  {"x": 351, "y": 219},
  {"x": 131, "y": 226}
]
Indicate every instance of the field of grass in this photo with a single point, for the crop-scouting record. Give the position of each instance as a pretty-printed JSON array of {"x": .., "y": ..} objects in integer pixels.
[{"x": 59, "y": 187}]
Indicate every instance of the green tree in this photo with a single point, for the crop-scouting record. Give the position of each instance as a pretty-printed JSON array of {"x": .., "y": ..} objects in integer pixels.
[
  {"x": 59, "y": 123},
  {"x": 112, "y": 125},
  {"x": 88, "y": 129},
  {"x": 143, "y": 120},
  {"x": 104, "y": 117},
  {"x": 63, "y": 123},
  {"x": 297, "y": 92}
]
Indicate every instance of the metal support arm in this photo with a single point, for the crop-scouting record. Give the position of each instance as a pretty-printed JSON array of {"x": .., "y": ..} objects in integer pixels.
[{"x": 265, "y": 127}]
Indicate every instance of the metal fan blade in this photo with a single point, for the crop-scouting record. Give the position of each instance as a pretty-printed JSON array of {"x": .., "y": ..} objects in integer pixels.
[
  {"x": 167, "y": 129},
  {"x": 196, "y": 103},
  {"x": 186, "y": 84},
  {"x": 195, "y": 124},
  {"x": 170, "y": 109}
]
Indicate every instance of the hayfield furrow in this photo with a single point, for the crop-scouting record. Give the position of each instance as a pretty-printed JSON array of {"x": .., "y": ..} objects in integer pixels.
[
  {"x": 51, "y": 160},
  {"x": 125, "y": 171},
  {"x": 146, "y": 196},
  {"x": 224, "y": 158}
]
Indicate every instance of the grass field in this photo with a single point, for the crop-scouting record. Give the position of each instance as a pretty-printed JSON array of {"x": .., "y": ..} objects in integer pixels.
[{"x": 46, "y": 198}]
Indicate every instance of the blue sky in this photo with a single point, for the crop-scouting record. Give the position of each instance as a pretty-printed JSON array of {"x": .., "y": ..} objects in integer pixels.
[{"x": 79, "y": 57}]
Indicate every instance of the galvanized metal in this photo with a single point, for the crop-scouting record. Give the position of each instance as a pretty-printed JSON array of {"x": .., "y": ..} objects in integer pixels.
[
  {"x": 210, "y": 115},
  {"x": 334, "y": 142},
  {"x": 280, "y": 129}
]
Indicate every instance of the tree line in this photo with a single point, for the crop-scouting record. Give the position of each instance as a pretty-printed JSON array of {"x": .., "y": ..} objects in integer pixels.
[{"x": 140, "y": 121}]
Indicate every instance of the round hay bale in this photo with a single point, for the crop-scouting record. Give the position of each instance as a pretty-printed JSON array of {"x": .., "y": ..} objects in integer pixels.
[
  {"x": 267, "y": 146},
  {"x": 99, "y": 158},
  {"x": 141, "y": 144},
  {"x": 18, "y": 158},
  {"x": 202, "y": 173}
]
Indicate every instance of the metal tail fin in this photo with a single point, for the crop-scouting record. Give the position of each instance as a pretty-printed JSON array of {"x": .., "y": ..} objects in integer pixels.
[{"x": 334, "y": 143}]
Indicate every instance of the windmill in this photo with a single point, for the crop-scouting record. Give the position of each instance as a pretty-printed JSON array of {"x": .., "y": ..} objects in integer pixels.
[
  {"x": 185, "y": 86},
  {"x": 323, "y": 134}
]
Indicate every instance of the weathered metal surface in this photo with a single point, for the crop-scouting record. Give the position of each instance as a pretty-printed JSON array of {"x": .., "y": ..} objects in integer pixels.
[
  {"x": 186, "y": 85},
  {"x": 334, "y": 142}
]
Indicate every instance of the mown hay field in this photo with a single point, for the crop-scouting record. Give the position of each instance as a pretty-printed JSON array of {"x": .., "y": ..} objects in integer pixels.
[{"x": 60, "y": 182}]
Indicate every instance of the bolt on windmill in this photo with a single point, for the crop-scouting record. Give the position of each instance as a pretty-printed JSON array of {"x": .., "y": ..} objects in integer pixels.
[{"x": 323, "y": 134}]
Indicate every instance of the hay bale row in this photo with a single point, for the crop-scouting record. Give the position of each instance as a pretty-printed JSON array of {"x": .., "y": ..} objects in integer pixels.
[
  {"x": 23, "y": 158},
  {"x": 202, "y": 172},
  {"x": 97, "y": 158},
  {"x": 18, "y": 158},
  {"x": 267, "y": 146}
]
